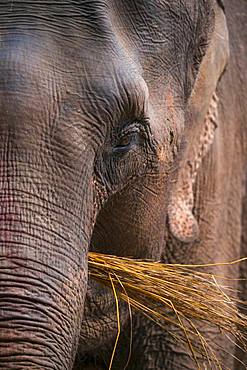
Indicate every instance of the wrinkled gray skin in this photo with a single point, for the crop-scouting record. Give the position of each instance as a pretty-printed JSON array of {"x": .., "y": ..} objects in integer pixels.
[{"x": 98, "y": 108}]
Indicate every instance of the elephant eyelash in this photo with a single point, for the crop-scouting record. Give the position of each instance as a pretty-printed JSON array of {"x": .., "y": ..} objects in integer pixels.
[
  {"x": 140, "y": 125},
  {"x": 141, "y": 122},
  {"x": 138, "y": 131}
]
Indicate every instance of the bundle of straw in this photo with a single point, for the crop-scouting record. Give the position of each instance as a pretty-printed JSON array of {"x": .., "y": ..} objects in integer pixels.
[{"x": 176, "y": 295}]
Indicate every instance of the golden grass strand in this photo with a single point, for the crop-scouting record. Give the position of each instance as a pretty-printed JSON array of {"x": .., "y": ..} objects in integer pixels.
[
  {"x": 118, "y": 322},
  {"x": 131, "y": 324},
  {"x": 174, "y": 294},
  {"x": 186, "y": 336},
  {"x": 235, "y": 262}
]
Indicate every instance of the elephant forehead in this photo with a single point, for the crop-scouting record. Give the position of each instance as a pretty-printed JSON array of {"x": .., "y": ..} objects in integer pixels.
[
  {"x": 151, "y": 34},
  {"x": 92, "y": 57},
  {"x": 25, "y": 64},
  {"x": 106, "y": 24}
]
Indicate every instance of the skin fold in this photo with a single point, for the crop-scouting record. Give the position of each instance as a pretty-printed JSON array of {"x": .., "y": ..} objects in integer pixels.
[{"x": 102, "y": 109}]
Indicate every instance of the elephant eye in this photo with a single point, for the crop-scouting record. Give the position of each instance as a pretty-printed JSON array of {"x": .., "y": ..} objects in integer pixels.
[{"x": 127, "y": 142}]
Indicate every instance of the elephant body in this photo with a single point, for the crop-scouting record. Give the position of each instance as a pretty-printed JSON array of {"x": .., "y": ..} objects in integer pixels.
[{"x": 122, "y": 131}]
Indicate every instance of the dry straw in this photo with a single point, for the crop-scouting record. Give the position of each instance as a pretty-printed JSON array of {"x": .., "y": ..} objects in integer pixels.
[{"x": 177, "y": 297}]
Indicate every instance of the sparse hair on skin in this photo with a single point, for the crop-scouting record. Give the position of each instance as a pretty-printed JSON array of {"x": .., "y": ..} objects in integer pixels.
[{"x": 176, "y": 295}]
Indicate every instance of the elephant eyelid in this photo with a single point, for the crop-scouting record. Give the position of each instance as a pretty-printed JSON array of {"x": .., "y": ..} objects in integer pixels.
[
  {"x": 140, "y": 123},
  {"x": 131, "y": 135}
]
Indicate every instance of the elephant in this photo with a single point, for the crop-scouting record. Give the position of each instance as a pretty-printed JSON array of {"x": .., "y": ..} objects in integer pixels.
[{"x": 122, "y": 131}]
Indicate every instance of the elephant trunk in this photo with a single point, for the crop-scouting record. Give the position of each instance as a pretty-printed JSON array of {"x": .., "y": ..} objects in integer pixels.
[
  {"x": 39, "y": 321},
  {"x": 46, "y": 209},
  {"x": 43, "y": 267}
]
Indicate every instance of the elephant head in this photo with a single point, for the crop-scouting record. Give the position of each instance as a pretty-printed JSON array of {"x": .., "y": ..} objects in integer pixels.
[{"x": 102, "y": 111}]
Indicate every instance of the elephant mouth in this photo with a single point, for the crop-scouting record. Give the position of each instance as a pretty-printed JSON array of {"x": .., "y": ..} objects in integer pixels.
[{"x": 99, "y": 326}]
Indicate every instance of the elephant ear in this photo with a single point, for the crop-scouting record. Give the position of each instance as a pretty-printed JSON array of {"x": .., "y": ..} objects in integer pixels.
[{"x": 200, "y": 131}]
